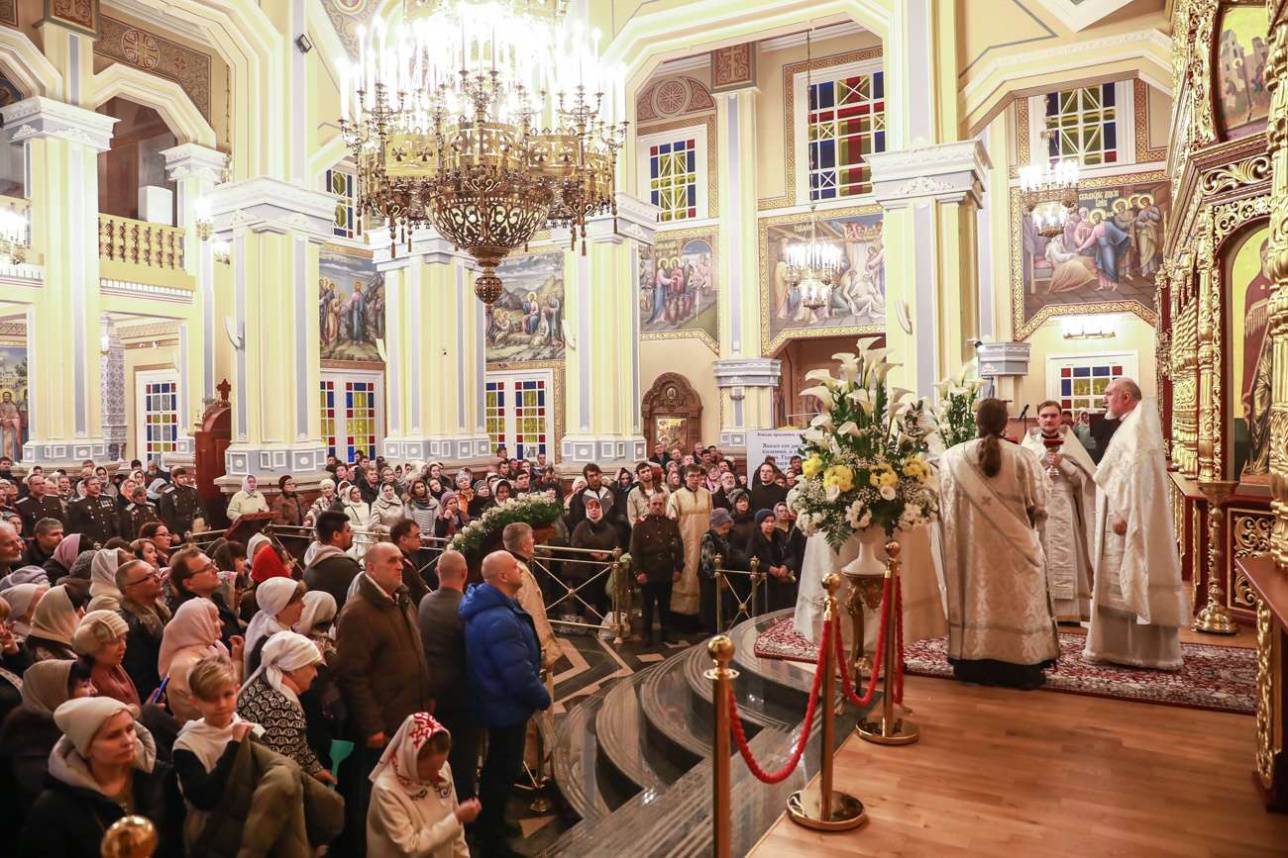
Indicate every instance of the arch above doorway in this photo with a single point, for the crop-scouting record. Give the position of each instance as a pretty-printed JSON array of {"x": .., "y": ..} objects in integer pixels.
[{"x": 672, "y": 412}]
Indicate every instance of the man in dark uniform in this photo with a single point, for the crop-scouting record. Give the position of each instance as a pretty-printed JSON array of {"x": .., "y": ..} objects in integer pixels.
[
  {"x": 38, "y": 504},
  {"x": 136, "y": 513},
  {"x": 179, "y": 504},
  {"x": 657, "y": 550},
  {"x": 93, "y": 516}
]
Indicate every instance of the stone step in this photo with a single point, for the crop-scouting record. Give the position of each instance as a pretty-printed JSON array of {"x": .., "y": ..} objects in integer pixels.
[
  {"x": 574, "y": 757},
  {"x": 678, "y": 724},
  {"x": 624, "y": 745}
]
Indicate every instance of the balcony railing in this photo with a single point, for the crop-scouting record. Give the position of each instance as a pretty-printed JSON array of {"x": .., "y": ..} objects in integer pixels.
[{"x": 152, "y": 245}]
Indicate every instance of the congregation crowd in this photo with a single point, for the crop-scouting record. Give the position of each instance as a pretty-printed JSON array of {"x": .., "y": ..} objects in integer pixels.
[{"x": 352, "y": 685}]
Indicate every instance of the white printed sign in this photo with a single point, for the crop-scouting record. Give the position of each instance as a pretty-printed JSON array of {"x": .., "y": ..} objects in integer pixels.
[{"x": 782, "y": 444}]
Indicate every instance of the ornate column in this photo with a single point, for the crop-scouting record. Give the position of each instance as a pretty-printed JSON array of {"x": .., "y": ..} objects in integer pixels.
[
  {"x": 113, "y": 388},
  {"x": 602, "y": 387},
  {"x": 62, "y": 144},
  {"x": 434, "y": 353},
  {"x": 275, "y": 229},
  {"x": 1277, "y": 133},
  {"x": 930, "y": 196},
  {"x": 195, "y": 170},
  {"x": 746, "y": 380}
]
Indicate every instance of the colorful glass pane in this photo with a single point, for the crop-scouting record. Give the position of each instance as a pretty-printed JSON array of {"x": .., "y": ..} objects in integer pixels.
[{"x": 844, "y": 123}]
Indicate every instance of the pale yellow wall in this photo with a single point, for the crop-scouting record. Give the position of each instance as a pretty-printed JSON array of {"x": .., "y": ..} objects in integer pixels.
[
  {"x": 692, "y": 359},
  {"x": 151, "y": 357},
  {"x": 1133, "y": 334}
]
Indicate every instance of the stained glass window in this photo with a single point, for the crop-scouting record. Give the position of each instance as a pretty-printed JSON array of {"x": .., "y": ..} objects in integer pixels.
[
  {"x": 845, "y": 122},
  {"x": 1083, "y": 383},
  {"x": 1083, "y": 124},
  {"x": 360, "y": 418},
  {"x": 494, "y": 412},
  {"x": 673, "y": 178},
  {"x": 530, "y": 418},
  {"x": 328, "y": 416},
  {"x": 345, "y": 186},
  {"x": 161, "y": 418}
]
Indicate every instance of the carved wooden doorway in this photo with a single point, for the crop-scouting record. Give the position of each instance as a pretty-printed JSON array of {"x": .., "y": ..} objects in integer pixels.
[{"x": 672, "y": 412}]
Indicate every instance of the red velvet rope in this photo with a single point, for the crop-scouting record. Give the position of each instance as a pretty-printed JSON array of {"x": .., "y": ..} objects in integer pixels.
[
  {"x": 846, "y": 684},
  {"x": 735, "y": 722}
]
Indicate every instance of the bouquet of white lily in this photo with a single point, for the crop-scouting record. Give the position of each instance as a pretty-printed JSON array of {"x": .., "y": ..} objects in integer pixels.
[
  {"x": 955, "y": 411},
  {"x": 861, "y": 468}
]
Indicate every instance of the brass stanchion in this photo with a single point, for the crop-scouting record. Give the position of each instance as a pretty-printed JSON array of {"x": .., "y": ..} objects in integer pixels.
[
  {"x": 129, "y": 837},
  {"x": 820, "y": 806},
  {"x": 757, "y": 579},
  {"x": 721, "y": 651},
  {"x": 889, "y": 730},
  {"x": 623, "y": 591},
  {"x": 1214, "y": 618},
  {"x": 540, "y": 780}
]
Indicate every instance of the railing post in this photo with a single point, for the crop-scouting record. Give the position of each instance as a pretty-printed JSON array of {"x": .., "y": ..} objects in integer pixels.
[
  {"x": 755, "y": 583},
  {"x": 824, "y": 808},
  {"x": 721, "y": 651},
  {"x": 888, "y": 729}
]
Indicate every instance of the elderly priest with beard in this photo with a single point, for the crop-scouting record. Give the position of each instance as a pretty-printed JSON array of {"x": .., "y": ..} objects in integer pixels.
[
  {"x": 1139, "y": 602},
  {"x": 1071, "y": 509}
]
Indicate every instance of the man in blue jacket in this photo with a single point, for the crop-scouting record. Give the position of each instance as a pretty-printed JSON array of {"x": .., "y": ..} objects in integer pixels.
[{"x": 504, "y": 664}]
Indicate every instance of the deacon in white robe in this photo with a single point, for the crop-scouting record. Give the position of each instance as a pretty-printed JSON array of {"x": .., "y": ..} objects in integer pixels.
[
  {"x": 1139, "y": 602},
  {"x": 1000, "y": 627},
  {"x": 1071, "y": 507}
]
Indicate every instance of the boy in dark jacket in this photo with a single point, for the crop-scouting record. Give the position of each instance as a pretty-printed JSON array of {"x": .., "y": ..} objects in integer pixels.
[{"x": 504, "y": 665}]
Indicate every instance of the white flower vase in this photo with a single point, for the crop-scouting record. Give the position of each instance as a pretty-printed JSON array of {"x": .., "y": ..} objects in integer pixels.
[{"x": 872, "y": 556}]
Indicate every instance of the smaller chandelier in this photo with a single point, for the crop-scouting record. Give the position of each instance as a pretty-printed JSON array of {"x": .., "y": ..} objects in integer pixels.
[
  {"x": 13, "y": 236},
  {"x": 1050, "y": 194},
  {"x": 814, "y": 267}
]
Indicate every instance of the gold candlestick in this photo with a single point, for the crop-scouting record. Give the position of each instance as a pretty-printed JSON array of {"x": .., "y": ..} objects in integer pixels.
[{"x": 1214, "y": 618}]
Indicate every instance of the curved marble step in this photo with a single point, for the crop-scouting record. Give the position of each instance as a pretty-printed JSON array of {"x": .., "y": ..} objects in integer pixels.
[
  {"x": 573, "y": 760},
  {"x": 678, "y": 726},
  {"x": 623, "y": 740},
  {"x": 758, "y": 704},
  {"x": 784, "y": 681}
]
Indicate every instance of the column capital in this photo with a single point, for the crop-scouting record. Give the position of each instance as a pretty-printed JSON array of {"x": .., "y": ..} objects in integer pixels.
[
  {"x": 748, "y": 372},
  {"x": 194, "y": 161},
  {"x": 39, "y": 117},
  {"x": 635, "y": 220},
  {"x": 947, "y": 172},
  {"x": 265, "y": 204}
]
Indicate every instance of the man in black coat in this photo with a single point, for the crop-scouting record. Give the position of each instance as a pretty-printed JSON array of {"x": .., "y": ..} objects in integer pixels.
[
  {"x": 657, "y": 550},
  {"x": 94, "y": 515},
  {"x": 442, "y": 631},
  {"x": 38, "y": 504},
  {"x": 46, "y": 535},
  {"x": 331, "y": 569},
  {"x": 179, "y": 503}
]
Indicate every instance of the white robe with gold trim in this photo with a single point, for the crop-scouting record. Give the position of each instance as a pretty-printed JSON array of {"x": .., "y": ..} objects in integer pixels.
[{"x": 1069, "y": 526}]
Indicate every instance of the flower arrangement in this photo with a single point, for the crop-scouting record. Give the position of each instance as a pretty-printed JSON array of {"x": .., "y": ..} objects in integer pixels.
[
  {"x": 860, "y": 467},
  {"x": 955, "y": 412},
  {"x": 535, "y": 509}
]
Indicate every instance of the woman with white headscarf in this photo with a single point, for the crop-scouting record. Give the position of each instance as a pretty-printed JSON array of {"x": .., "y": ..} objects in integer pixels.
[
  {"x": 22, "y": 600},
  {"x": 413, "y": 811},
  {"x": 358, "y": 511},
  {"x": 280, "y": 602},
  {"x": 102, "y": 581},
  {"x": 100, "y": 638},
  {"x": 316, "y": 620},
  {"x": 103, "y": 767},
  {"x": 386, "y": 510},
  {"x": 271, "y": 698},
  {"x": 250, "y": 499},
  {"x": 323, "y": 502},
  {"x": 189, "y": 637},
  {"x": 52, "y": 625}
]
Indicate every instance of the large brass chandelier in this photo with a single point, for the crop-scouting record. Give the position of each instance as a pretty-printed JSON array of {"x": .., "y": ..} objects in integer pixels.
[
  {"x": 485, "y": 120},
  {"x": 813, "y": 267}
]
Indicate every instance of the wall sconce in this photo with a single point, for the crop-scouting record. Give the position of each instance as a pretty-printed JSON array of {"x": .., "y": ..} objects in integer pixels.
[
  {"x": 222, "y": 250},
  {"x": 204, "y": 223}
]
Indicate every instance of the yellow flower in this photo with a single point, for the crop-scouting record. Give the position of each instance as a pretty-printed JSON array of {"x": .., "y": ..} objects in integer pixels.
[
  {"x": 916, "y": 468},
  {"x": 889, "y": 478},
  {"x": 811, "y": 466},
  {"x": 881, "y": 476},
  {"x": 840, "y": 476}
]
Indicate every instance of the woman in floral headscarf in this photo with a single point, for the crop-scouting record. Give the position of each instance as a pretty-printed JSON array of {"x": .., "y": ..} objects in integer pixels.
[{"x": 413, "y": 810}]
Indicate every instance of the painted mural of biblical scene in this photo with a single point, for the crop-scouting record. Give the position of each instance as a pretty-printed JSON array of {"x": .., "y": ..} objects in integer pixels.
[
  {"x": 678, "y": 285},
  {"x": 1246, "y": 271},
  {"x": 859, "y": 298},
  {"x": 1242, "y": 100},
  {"x": 351, "y": 307},
  {"x": 1109, "y": 250},
  {"x": 526, "y": 322},
  {"x": 13, "y": 400}
]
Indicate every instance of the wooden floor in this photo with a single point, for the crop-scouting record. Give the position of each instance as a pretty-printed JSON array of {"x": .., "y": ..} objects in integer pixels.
[{"x": 1016, "y": 774}]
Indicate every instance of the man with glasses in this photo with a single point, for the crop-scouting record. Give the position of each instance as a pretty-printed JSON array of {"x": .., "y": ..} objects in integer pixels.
[
  {"x": 146, "y": 614},
  {"x": 193, "y": 575}
]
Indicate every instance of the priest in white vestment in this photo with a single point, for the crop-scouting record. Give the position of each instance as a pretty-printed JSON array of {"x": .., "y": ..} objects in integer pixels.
[
  {"x": 992, "y": 498},
  {"x": 1071, "y": 508},
  {"x": 1139, "y": 602},
  {"x": 691, "y": 507}
]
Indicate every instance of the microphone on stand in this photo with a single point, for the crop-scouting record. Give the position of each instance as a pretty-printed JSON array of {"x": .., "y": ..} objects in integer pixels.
[{"x": 1024, "y": 426}]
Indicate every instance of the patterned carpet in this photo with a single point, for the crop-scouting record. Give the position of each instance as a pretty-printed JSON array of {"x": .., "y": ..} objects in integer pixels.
[{"x": 1214, "y": 677}]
